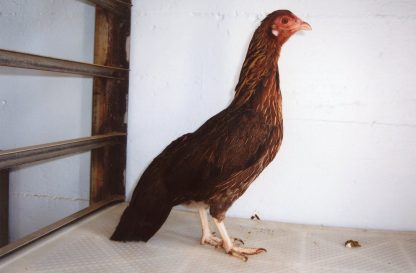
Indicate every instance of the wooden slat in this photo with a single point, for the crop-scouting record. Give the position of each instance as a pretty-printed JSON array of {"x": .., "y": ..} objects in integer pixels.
[
  {"x": 109, "y": 105},
  {"x": 118, "y": 7},
  {"x": 14, "y": 157},
  {"x": 4, "y": 207},
  {"x": 31, "y": 61},
  {"x": 58, "y": 225}
]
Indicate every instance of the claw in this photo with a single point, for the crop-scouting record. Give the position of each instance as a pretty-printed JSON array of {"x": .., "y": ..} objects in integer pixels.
[{"x": 234, "y": 253}]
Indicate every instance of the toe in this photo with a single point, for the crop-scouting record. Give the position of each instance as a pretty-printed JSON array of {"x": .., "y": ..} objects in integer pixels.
[
  {"x": 238, "y": 254},
  {"x": 249, "y": 251},
  {"x": 211, "y": 240}
]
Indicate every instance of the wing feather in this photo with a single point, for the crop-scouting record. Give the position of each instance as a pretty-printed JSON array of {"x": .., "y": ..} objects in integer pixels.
[{"x": 221, "y": 151}]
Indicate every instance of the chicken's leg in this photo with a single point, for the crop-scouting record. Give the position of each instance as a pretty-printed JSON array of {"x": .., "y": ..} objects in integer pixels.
[
  {"x": 239, "y": 252},
  {"x": 207, "y": 236}
]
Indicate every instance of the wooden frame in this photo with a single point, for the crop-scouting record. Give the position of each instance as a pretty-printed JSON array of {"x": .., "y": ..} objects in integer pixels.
[
  {"x": 9, "y": 248},
  {"x": 4, "y": 207},
  {"x": 30, "y": 61},
  {"x": 108, "y": 141},
  {"x": 109, "y": 102}
]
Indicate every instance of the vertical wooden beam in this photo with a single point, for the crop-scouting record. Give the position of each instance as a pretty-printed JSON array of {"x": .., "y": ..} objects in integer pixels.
[
  {"x": 109, "y": 105},
  {"x": 4, "y": 207},
  {"x": 121, "y": 8}
]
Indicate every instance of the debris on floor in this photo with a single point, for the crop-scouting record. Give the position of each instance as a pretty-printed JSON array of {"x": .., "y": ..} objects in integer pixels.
[
  {"x": 238, "y": 241},
  {"x": 352, "y": 244},
  {"x": 255, "y": 217},
  {"x": 85, "y": 247}
]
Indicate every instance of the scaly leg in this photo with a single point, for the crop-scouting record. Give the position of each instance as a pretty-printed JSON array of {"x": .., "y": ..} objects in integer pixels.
[
  {"x": 239, "y": 252},
  {"x": 207, "y": 237}
]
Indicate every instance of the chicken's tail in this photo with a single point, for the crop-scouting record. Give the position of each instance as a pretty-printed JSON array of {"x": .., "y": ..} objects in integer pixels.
[{"x": 144, "y": 216}]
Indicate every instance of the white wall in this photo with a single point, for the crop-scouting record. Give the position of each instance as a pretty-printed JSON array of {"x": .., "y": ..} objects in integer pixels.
[
  {"x": 349, "y": 89},
  {"x": 40, "y": 107}
]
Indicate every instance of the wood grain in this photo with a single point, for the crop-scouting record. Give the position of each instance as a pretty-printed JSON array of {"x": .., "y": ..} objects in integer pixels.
[
  {"x": 4, "y": 207},
  {"x": 109, "y": 105},
  {"x": 31, "y": 61},
  {"x": 24, "y": 155}
]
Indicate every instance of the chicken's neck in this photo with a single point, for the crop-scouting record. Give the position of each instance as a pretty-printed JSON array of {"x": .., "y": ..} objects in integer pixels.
[{"x": 258, "y": 87}]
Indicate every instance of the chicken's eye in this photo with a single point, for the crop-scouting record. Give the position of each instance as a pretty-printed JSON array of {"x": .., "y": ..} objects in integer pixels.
[{"x": 285, "y": 20}]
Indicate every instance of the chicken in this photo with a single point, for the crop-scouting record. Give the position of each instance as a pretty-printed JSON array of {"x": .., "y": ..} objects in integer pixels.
[{"x": 213, "y": 166}]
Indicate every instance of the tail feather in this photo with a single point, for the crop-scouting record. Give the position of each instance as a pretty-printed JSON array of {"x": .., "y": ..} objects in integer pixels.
[{"x": 143, "y": 217}]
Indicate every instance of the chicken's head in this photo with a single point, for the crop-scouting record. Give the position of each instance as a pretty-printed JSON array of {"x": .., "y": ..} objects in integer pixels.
[{"x": 284, "y": 24}]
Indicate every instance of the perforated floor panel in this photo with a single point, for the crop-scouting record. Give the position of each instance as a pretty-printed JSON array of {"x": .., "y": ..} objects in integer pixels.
[{"x": 84, "y": 247}]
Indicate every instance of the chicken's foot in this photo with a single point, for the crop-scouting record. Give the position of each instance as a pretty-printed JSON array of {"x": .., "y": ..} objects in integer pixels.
[{"x": 230, "y": 248}]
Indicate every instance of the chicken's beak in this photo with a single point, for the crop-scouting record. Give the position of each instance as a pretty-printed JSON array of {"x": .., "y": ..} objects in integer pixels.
[{"x": 305, "y": 26}]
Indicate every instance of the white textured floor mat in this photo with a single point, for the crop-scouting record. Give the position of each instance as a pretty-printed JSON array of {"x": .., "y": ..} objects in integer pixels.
[{"x": 84, "y": 247}]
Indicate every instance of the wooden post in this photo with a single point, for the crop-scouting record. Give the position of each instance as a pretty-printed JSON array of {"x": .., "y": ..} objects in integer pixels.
[
  {"x": 109, "y": 105},
  {"x": 4, "y": 207}
]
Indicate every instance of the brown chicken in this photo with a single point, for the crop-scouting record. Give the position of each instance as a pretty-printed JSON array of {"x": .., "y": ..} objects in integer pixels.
[{"x": 213, "y": 166}]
